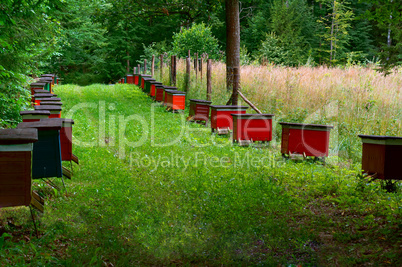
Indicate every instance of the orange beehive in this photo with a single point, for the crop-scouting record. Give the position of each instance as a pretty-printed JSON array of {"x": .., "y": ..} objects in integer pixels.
[{"x": 175, "y": 100}]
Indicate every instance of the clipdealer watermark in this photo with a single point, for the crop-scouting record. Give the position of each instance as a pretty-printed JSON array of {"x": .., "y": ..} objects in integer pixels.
[{"x": 202, "y": 159}]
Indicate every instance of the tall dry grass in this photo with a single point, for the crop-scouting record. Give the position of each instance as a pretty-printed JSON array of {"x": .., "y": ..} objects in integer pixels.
[{"x": 356, "y": 100}]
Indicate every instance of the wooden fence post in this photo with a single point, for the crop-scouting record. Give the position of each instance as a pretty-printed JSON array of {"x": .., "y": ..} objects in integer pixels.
[
  {"x": 196, "y": 66},
  {"x": 139, "y": 68},
  {"x": 161, "y": 67},
  {"x": 152, "y": 66},
  {"x": 209, "y": 84},
  {"x": 145, "y": 66},
  {"x": 188, "y": 71},
  {"x": 201, "y": 67}
]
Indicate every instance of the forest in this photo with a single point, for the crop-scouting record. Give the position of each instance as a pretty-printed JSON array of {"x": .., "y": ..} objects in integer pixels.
[
  {"x": 152, "y": 186},
  {"x": 98, "y": 41}
]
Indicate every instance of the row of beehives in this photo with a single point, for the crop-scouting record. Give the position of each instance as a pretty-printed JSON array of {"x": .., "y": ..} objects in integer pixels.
[
  {"x": 381, "y": 154},
  {"x": 36, "y": 148}
]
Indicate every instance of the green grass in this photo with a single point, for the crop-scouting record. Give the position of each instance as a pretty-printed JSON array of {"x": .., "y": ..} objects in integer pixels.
[{"x": 176, "y": 195}]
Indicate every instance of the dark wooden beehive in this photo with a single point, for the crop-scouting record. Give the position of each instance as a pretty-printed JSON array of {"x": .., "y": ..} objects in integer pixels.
[
  {"x": 15, "y": 166},
  {"x": 199, "y": 110},
  {"x": 382, "y": 156}
]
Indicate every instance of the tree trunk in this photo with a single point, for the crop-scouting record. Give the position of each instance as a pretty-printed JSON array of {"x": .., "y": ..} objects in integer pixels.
[
  {"x": 152, "y": 66},
  {"x": 128, "y": 62},
  {"x": 232, "y": 48}
]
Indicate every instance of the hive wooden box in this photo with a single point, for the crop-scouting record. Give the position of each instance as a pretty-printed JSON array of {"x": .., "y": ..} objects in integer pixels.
[
  {"x": 147, "y": 84},
  {"x": 37, "y": 86},
  {"x": 34, "y": 115},
  {"x": 16, "y": 147},
  {"x": 48, "y": 76},
  {"x": 48, "y": 82},
  {"x": 221, "y": 117},
  {"x": 43, "y": 101},
  {"x": 55, "y": 111},
  {"x": 165, "y": 87},
  {"x": 142, "y": 79},
  {"x": 199, "y": 110},
  {"x": 382, "y": 156},
  {"x": 130, "y": 78},
  {"x": 175, "y": 100},
  {"x": 66, "y": 139},
  {"x": 38, "y": 97},
  {"x": 159, "y": 95},
  {"x": 310, "y": 140},
  {"x": 154, "y": 84},
  {"x": 46, "y": 159},
  {"x": 252, "y": 127}
]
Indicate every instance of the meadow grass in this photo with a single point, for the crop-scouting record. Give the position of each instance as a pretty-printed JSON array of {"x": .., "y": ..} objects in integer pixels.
[
  {"x": 153, "y": 189},
  {"x": 356, "y": 100}
]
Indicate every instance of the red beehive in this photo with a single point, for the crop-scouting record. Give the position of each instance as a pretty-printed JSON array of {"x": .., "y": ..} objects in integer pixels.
[
  {"x": 252, "y": 127},
  {"x": 34, "y": 115},
  {"x": 15, "y": 166},
  {"x": 136, "y": 78},
  {"x": 175, "y": 99},
  {"x": 221, "y": 117},
  {"x": 310, "y": 140},
  {"x": 159, "y": 93},
  {"x": 66, "y": 139},
  {"x": 153, "y": 87},
  {"x": 130, "y": 79},
  {"x": 55, "y": 111},
  {"x": 199, "y": 110},
  {"x": 382, "y": 156}
]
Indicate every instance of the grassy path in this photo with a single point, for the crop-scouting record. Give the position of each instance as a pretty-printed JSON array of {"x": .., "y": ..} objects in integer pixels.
[{"x": 152, "y": 189}]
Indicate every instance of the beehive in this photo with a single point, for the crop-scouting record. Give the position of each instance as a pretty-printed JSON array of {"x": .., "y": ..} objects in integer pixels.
[
  {"x": 305, "y": 139},
  {"x": 381, "y": 156},
  {"x": 252, "y": 127},
  {"x": 15, "y": 166},
  {"x": 46, "y": 159}
]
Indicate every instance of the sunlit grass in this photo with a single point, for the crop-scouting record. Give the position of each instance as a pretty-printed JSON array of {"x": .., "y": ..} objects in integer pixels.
[{"x": 181, "y": 196}]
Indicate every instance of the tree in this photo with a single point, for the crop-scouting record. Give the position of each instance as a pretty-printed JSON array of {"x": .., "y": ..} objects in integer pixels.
[
  {"x": 386, "y": 16},
  {"x": 335, "y": 35},
  {"x": 232, "y": 49},
  {"x": 197, "y": 39}
]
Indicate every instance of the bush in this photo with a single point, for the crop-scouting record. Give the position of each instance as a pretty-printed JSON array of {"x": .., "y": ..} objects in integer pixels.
[{"x": 197, "y": 39}]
